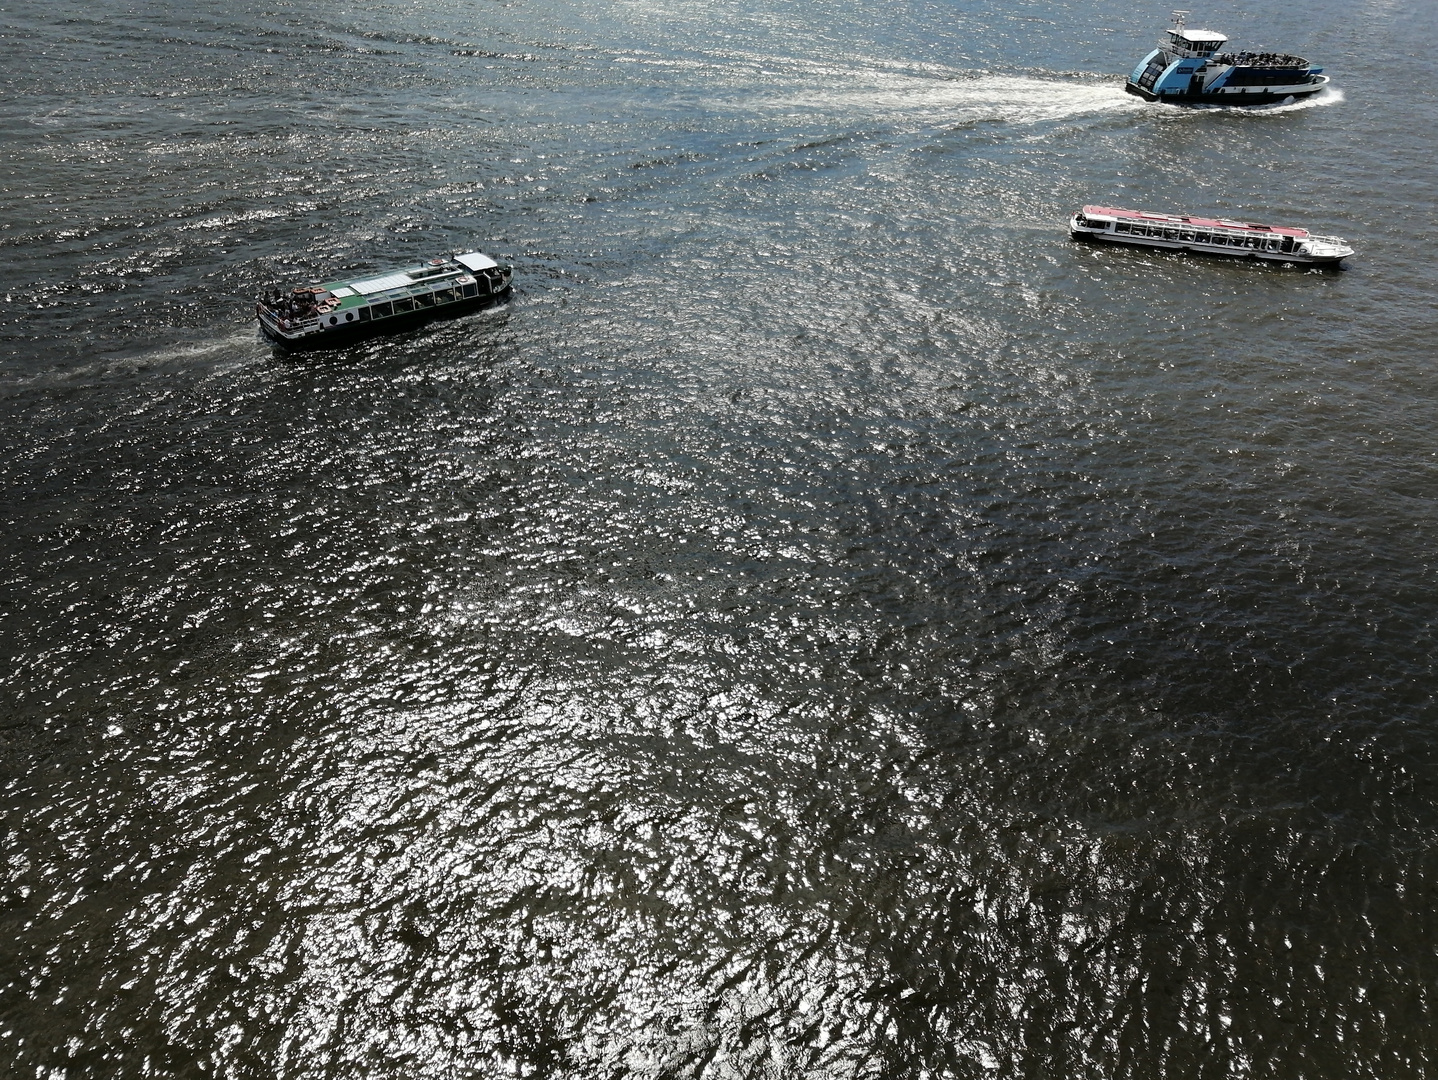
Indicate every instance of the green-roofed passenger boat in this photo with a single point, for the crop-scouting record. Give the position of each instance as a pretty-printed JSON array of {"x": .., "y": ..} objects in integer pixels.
[{"x": 339, "y": 311}]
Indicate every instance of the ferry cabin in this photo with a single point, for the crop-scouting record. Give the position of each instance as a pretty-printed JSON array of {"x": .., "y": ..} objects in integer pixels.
[
  {"x": 441, "y": 282},
  {"x": 1241, "y": 239}
]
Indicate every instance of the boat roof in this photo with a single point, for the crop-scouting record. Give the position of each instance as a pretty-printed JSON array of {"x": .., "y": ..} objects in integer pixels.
[
  {"x": 475, "y": 260},
  {"x": 1188, "y": 219},
  {"x": 1199, "y": 35},
  {"x": 380, "y": 284},
  {"x": 350, "y": 288}
]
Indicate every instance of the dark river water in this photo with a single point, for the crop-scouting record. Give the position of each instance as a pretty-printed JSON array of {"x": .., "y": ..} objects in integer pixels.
[{"x": 827, "y": 624}]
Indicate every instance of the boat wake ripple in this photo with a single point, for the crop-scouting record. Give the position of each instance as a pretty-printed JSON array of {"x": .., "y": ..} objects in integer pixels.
[{"x": 907, "y": 99}]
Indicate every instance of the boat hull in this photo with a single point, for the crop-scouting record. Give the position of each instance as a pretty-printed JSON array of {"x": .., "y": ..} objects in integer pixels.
[
  {"x": 1201, "y": 249},
  {"x": 347, "y": 334},
  {"x": 1248, "y": 96}
]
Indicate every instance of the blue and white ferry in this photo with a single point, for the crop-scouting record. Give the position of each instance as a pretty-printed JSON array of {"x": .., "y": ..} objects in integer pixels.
[{"x": 1187, "y": 68}]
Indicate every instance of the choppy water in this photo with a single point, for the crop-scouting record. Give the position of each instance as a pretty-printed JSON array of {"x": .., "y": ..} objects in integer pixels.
[{"x": 827, "y": 625}]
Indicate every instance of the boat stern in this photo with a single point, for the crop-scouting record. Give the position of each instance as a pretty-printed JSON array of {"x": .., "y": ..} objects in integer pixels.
[
  {"x": 281, "y": 329},
  {"x": 1090, "y": 222}
]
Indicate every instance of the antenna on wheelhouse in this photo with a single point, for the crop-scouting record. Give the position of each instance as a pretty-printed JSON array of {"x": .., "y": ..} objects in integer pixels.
[{"x": 1178, "y": 17}]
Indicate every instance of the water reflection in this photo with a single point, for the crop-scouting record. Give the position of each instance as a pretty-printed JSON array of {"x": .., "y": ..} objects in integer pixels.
[{"x": 826, "y": 625}]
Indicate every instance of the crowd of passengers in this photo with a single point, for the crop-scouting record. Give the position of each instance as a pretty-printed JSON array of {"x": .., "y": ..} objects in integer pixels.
[
  {"x": 299, "y": 304},
  {"x": 1260, "y": 60}
]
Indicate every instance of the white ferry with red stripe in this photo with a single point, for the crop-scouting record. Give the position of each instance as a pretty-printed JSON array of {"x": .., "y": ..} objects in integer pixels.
[
  {"x": 339, "y": 311},
  {"x": 1214, "y": 236}
]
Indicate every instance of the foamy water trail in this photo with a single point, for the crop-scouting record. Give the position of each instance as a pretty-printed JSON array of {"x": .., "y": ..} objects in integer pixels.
[
  {"x": 901, "y": 99},
  {"x": 219, "y": 354}
]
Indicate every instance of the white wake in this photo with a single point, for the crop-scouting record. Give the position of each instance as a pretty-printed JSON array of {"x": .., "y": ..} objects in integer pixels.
[{"x": 904, "y": 100}]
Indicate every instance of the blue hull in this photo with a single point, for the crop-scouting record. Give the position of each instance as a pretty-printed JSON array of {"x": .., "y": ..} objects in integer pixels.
[{"x": 1253, "y": 97}]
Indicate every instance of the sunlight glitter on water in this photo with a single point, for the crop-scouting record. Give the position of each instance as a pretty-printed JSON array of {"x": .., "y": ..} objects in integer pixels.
[{"x": 828, "y": 624}]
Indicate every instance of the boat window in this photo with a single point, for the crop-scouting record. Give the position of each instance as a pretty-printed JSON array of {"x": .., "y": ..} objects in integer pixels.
[
  {"x": 424, "y": 300},
  {"x": 379, "y": 311},
  {"x": 1203, "y": 237},
  {"x": 1185, "y": 235},
  {"x": 1153, "y": 71},
  {"x": 403, "y": 304},
  {"x": 471, "y": 290},
  {"x": 444, "y": 296},
  {"x": 1170, "y": 234}
]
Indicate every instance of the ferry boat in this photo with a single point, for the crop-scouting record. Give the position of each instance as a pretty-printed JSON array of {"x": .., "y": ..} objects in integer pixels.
[
  {"x": 1188, "y": 69},
  {"x": 1216, "y": 236},
  {"x": 339, "y": 311}
]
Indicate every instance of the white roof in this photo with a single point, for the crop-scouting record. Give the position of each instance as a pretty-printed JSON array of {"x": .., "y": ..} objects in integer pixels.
[
  {"x": 475, "y": 260},
  {"x": 380, "y": 284},
  {"x": 1202, "y": 35}
]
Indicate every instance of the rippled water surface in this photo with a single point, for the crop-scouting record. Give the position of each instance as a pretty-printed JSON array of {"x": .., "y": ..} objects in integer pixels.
[{"x": 826, "y": 624}]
